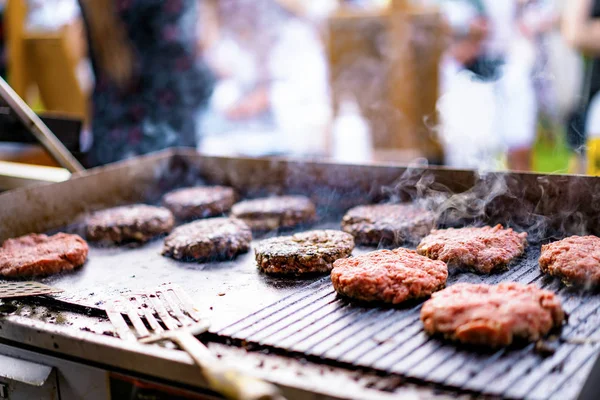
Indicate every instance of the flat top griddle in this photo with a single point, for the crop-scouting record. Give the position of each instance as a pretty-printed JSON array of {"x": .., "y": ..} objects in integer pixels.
[
  {"x": 223, "y": 291},
  {"x": 306, "y": 317}
]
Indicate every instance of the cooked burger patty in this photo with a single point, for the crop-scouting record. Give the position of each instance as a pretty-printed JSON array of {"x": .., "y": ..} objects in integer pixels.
[
  {"x": 270, "y": 213},
  {"x": 303, "y": 253},
  {"x": 575, "y": 259},
  {"x": 492, "y": 315},
  {"x": 135, "y": 223},
  {"x": 213, "y": 239},
  {"x": 199, "y": 202},
  {"x": 389, "y": 276},
  {"x": 34, "y": 255},
  {"x": 480, "y": 249},
  {"x": 388, "y": 224}
]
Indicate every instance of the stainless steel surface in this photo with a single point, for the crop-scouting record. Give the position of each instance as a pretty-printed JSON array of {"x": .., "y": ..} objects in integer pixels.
[
  {"x": 41, "y": 132},
  {"x": 170, "y": 307},
  {"x": 11, "y": 289},
  {"x": 27, "y": 372},
  {"x": 227, "y": 292},
  {"x": 25, "y": 380}
]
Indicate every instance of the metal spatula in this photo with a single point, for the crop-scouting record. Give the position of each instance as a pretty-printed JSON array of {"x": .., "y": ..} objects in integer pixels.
[
  {"x": 22, "y": 289},
  {"x": 169, "y": 314}
]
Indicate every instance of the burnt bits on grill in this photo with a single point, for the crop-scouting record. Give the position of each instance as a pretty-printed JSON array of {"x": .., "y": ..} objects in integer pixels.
[
  {"x": 304, "y": 253},
  {"x": 37, "y": 255},
  {"x": 575, "y": 259},
  {"x": 388, "y": 276},
  {"x": 483, "y": 250},
  {"x": 134, "y": 223},
  {"x": 199, "y": 202},
  {"x": 388, "y": 224},
  {"x": 271, "y": 213},
  {"x": 214, "y": 239},
  {"x": 492, "y": 315}
]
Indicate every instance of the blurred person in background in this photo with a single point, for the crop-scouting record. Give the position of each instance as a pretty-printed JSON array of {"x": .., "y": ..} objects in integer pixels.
[
  {"x": 505, "y": 63},
  {"x": 581, "y": 27},
  {"x": 467, "y": 104},
  {"x": 273, "y": 93},
  {"x": 150, "y": 81}
]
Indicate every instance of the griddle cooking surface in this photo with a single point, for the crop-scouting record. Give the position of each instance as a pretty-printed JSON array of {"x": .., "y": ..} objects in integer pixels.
[
  {"x": 223, "y": 291},
  {"x": 316, "y": 322}
]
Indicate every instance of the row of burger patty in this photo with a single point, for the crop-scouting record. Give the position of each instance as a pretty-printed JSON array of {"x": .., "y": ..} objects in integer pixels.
[{"x": 481, "y": 314}]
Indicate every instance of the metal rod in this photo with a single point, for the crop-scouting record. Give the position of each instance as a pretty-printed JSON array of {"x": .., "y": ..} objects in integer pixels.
[{"x": 41, "y": 132}]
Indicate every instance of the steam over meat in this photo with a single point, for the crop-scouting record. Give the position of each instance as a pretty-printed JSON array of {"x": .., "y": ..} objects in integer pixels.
[
  {"x": 574, "y": 259},
  {"x": 35, "y": 255},
  {"x": 492, "y": 315},
  {"x": 199, "y": 202},
  {"x": 480, "y": 249},
  {"x": 213, "y": 239},
  {"x": 275, "y": 212},
  {"x": 303, "y": 253},
  {"x": 389, "y": 276},
  {"x": 135, "y": 223},
  {"x": 388, "y": 224}
]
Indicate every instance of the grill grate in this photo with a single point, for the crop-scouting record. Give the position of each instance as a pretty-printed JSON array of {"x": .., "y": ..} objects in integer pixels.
[{"x": 316, "y": 322}]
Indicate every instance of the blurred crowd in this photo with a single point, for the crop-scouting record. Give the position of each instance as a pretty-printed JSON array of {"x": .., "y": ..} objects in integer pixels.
[{"x": 254, "y": 74}]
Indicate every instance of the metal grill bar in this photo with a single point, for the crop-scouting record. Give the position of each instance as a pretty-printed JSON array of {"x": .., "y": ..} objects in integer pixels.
[{"x": 317, "y": 322}]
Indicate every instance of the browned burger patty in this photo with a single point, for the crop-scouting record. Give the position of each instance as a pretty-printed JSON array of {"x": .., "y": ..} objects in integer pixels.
[
  {"x": 199, "y": 202},
  {"x": 575, "y": 259},
  {"x": 492, "y": 315},
  {"x": 389, "y": 276},
  {"x": 303, "y": 253},
  {"x": 135, "y": 223},
  {"x": 388, "y": 224},
  {"x": 482, "y": 250},
  {"x": 213, "y": 239},
  {"x": 34, "y": 255},
  {"x": 271, "y": 213}
]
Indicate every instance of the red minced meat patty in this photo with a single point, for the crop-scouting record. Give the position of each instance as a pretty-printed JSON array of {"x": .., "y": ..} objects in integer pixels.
[
  {"x": 388, "y": 276},
  {"x": 134, "y": 223},
  {"x": 482, "y": 250},
  {"x": 271, "y": 213},
  {"x": 38, "y": 255},
  {"x": 303, "y": 253},
  {"x": 388, "y": 224},
  {"x": 213, "y": 239},
  {"x": 492, "y": 315},
  {"x": 575, "y": 259},
  {"x": 199, "y": 202}
]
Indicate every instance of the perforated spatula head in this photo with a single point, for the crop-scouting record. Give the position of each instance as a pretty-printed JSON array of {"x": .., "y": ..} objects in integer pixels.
[{"x": 23, "y": 289}]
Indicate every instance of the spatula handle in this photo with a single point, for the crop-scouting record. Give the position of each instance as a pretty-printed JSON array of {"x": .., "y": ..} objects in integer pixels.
[{"x": 223, "y": 379}]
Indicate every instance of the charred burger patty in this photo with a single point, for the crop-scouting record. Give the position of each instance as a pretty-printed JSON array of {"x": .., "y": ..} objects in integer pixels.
[
  {"x": 388, "y": 224},
  {"x": 213, "y": 239},
  {"x": 271, "y": 213},
  {"x": 134, "y": 223},
  {"x": 303, "y": 253},
  {"x": 199, "y": 202}
]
